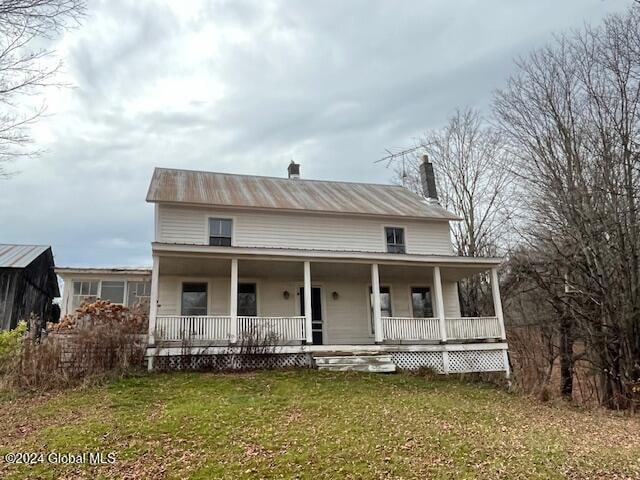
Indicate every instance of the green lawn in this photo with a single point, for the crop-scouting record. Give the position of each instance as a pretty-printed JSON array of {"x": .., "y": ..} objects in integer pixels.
[{"x": 313, "y": 425}]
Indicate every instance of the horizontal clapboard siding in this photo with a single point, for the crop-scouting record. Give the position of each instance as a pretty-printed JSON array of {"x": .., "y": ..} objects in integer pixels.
[
  {"x": 182, "y": 225},
  {"x": 288, "y": 230}
]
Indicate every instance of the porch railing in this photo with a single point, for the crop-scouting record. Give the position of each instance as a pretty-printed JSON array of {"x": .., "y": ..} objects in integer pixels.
[
  {"x": 280, "y": 329},
  {"x": 283, "y": 330},
  {"x": 217, "y": 328},
  {"x": 199, "y": 327},
  {"x": 473, "y": 328},
  {"x": 428, "y": 329},
  {"x": 409, "y": 328}
]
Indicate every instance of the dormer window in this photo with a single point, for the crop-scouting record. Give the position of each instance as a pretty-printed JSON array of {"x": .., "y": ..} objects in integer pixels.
[
  {"x": 220, "y": 232},
  {"x": 395, "y": 239}
]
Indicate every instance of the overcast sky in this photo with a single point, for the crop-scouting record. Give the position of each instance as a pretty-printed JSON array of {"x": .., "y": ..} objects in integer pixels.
[{"x": 244, "y": 87}]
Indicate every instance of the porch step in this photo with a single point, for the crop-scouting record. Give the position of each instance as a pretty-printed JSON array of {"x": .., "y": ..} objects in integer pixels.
[{"x": 358, "y": 363}]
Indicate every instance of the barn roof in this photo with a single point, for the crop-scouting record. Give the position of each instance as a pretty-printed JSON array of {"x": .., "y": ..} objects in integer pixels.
[
  {"x": 19, "y": 256},
  {"x": 249, "y": 191}
]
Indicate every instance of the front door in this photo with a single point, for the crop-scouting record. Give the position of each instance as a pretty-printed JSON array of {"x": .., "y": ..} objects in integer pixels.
[{"x": 316, "y": 313}]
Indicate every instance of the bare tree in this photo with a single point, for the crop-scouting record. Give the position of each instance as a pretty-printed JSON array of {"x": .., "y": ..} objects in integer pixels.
[
  {"x": 25, "y": 67},
  {"x": 572, "y": 117},
  {"x": 474, "y": 182}
]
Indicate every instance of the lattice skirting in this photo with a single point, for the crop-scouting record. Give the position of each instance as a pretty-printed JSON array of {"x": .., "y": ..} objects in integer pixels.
[
  {"x": 457, "y": 362},
  {"x": 232, "y": 362},
  {"x": 417, "y": 360},
  {"x": 476, "y": 361}
]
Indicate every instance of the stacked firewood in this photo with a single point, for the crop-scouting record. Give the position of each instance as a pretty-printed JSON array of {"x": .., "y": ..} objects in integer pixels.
[{"x": 102, "y": 312}]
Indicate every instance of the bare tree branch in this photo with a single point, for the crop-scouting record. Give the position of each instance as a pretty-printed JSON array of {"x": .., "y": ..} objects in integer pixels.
[{"x": 25, "y": 70}]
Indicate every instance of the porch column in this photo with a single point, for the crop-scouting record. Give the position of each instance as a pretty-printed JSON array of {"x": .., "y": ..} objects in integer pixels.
[
  {"x": 307, "y": 304},
  {"x": 153, "y": 307},
  {"x": 233, "y": 302},
  {"x": 497, "y": 302},
  {"x": 377, "y": 314},
  {"x": 437, "y": 293}
]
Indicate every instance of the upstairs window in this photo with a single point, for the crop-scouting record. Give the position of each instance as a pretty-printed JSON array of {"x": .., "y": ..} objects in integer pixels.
[
  {"x": 395, "y": 240},
  {"x": 220, "y": 232}
]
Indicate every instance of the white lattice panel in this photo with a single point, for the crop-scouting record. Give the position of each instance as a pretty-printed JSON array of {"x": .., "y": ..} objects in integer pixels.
[
  {"x": 476, "y": 361},
  {"x": 417, "y": 360},
  {"x": 232, "y": 362}
]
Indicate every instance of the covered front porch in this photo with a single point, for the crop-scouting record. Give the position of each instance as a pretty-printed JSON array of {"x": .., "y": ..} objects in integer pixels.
[{"x": 226, "y": 300}]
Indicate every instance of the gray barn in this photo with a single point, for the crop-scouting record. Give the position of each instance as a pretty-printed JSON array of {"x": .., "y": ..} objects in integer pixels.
[{"x": 28, "y": 283}]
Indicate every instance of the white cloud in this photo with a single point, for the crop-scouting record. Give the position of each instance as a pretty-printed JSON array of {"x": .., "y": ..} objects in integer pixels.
[{"x": 244, "y": 86}]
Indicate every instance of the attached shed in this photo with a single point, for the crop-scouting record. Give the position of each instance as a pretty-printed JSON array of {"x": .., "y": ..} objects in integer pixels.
[{"x": 28, "y": 283}]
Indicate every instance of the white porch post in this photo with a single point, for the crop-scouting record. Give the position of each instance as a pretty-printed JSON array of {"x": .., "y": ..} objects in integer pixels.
[
  {"x": 307, "y": 304},
  {"x": 437, "y": 293},
  {"x": 497, "y": 302},
  {"x": 233, "y": 301},
  {"x": 153, "y": 307},
  {"x": 377, "y": 314}
]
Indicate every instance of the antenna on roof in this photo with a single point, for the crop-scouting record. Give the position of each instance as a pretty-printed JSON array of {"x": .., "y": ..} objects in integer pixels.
[{"x": 400, "y": 154}]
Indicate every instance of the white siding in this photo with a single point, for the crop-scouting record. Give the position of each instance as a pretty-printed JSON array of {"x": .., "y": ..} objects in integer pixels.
[
  {"x": 310, "y": 231},
  {"x": 451, "y": 299}
]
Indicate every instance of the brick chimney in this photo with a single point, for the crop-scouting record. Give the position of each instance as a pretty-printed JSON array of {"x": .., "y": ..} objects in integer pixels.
[
  {"x": 294, "y": 170},
  {"x": 428, "y": 179}
]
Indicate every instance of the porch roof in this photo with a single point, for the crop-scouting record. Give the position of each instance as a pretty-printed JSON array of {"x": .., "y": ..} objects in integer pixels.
[{"x": 263, "y": 253}]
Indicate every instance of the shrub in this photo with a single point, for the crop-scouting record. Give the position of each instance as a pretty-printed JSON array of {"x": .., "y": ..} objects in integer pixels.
[
  {"x": 98, "y": 341},
  {"x": 10, "y": 342}
]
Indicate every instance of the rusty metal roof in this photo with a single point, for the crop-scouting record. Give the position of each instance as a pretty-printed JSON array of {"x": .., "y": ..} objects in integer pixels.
[
  {"x": 19, "y": 256},
  {"x": 227, "y": 190}
]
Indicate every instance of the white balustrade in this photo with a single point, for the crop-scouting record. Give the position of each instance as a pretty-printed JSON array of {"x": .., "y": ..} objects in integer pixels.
[
  {"x": 218, "y": 328},
  {"x": 473, "y": 328},
  {"x": 409, "y": 328}
]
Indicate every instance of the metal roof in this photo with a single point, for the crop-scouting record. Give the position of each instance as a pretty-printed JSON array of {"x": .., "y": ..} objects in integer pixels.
[
  {"x": 105, "y": 270},
  {"x": 227, "y": 190},
  {"x": 19, "y": 256}
]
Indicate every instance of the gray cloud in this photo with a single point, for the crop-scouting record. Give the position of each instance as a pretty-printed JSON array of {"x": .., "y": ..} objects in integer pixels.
[{"x": 244, "y": 86}]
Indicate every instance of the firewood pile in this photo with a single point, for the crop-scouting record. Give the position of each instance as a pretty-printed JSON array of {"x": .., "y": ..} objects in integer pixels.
[{"x": 102, "y": 312}]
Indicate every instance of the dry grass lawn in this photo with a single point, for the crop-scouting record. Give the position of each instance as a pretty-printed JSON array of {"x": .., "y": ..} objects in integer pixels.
[{"x": 309, "y": 424}]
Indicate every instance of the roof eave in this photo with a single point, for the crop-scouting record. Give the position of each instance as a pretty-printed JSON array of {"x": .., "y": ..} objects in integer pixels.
[{"x": 448, "y": 218}]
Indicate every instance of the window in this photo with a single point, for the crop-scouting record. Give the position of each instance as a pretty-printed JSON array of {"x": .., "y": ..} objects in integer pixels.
[
  {"x": 112, "y": 291},
  {"x": 138, "y": 295},
  {"x": 395, "y": 239},
  {"x": 194, "y": 299},
  {"x": 84, "y": 291},
  {"x": 385, "y": 303},
  {"x": 247, "y": 300},
  {"x": 421, "y": 302},
  {"x": 220, "y": 232}
]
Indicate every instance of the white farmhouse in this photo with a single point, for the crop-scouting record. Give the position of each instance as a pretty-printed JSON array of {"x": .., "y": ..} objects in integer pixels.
[{"x": 236, "y": 255}]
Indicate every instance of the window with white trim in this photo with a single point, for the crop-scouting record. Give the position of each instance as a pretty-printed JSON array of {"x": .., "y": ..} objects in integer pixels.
[
  {"x": 395, "y": 239},
  {"x": 220, "y": 232},
  {"x": 138, "y": 295},
  {"x": 112, "y": 291},
  {"x": 84, "y": 291},
  {"x": 247, "y": 300},
  {"x": 421, "y": 304}
]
